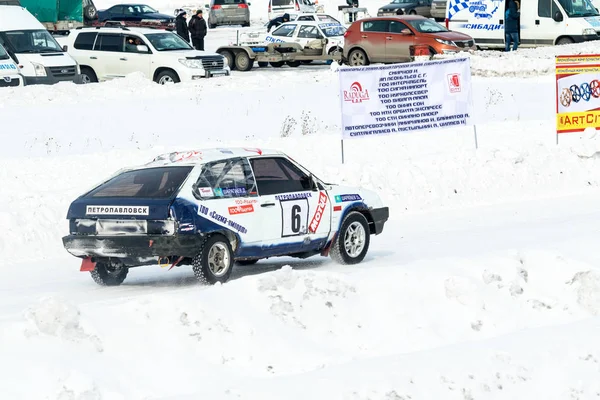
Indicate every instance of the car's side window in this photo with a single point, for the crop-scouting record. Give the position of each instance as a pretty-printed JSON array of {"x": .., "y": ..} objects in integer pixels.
[
  {"x": 277, "y": 175},
  {"x": 285, "y": 30},
  {"x": 116, "y": 10},
  {"x": 306, "y": 18},
  {"x": 225, "y": 179},
  {"x": 85, "y": 41},
  {"x": 131, "y": 44},
  {"x": 308, "y": 32},
  {"x": 109, "y": 42},
  {"x": 397, "y": 27},
  {"x": 375, "y": 26}
]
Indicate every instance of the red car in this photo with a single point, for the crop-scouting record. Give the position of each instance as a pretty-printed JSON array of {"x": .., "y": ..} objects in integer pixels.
[{"x": 393, "y": 39}]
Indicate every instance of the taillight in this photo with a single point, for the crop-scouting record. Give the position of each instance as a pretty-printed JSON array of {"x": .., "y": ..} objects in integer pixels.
[
  {"x": 269, "y": 6},
  {"x": 447, "y": 23},
  {"x": 215, "y": 7},
  {"x": 346, "y": 34},
  {"x": 297, "y": 5},
  {"x": 242, "y": 5}
]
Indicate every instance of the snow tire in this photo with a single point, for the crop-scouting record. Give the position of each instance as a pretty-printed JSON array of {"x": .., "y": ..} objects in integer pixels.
[
  {"x": 104, "y": 275},
  {"x": 213, "y": 250},
  {"x": 354, "y": 234}
]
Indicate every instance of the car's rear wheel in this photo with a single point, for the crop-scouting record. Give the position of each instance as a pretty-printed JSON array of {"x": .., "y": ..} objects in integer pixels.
[
  {"x": 276, "y": 64},
  {"x": 243, "y": 62},
  {"x": 263, "y": 64},
  {"x": 90, "y": 13},
  {"x": 229, "y": 57},
  {"x": 357, "y": 58},
  {"x": 88, "y": 75},
  {"x": 214, "y": 261},
  {"x": 352, "y": 241},
  {"x": 412, "y": 12},
  {"x": 294, "y": 64},
  {"x": 109, "y": 273}
]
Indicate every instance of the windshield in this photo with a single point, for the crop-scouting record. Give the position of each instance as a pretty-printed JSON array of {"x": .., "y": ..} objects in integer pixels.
[
  {"x": 35, "y": 41},
  {"x": 168, "y": 41},
  {"x": 426, "y": 26},
  {"x": 330, "y": 30},
  {"x": 3, "y": 54},
  {"x": 578, "y": 8}
]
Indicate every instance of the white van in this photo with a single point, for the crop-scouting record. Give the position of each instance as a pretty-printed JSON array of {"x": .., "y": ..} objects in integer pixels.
[
  {"x": 39, "y": 57},
  {"x": 279, "y": 7},
  {"x": 543, "y": 22},
  {"x": 9, "y": 73}
]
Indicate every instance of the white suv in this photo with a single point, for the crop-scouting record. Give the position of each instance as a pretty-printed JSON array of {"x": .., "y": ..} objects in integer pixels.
[{"x": 113, "y": 52}]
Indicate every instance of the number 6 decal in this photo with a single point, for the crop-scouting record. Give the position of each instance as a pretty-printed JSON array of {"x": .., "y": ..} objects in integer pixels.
[{"x": 294, "y": 215}]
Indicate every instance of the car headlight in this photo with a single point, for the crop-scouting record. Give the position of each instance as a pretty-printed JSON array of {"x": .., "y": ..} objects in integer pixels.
[
  {"x": 446, "y": 42},
  {"x": 588, "y": 31},
  {"x": 39, "y": 69},
  {"x": 191, "y": 63}
]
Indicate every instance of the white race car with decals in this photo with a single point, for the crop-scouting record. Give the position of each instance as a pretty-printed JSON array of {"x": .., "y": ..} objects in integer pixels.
[
  {"x": 212, "y": 207},
  {"x": 9, "y": 72},
  {"x": 301, "y": 32}
]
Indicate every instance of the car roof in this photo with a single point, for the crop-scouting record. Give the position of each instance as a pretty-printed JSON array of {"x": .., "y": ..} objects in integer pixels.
[
  {"x": 201, "y": 156},
  {"x": 405, "y": 17},
  {"x": 133, "y": 29}
]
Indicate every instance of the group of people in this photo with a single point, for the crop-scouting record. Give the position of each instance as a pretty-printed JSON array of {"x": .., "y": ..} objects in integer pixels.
[{"x": 196, "y": 29}]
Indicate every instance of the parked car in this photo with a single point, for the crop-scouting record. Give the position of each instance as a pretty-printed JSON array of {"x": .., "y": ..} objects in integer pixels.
[
  {"x": 40, "y": 58},
  {"x": 321, "y": 17},
  {"x": 106, "y": 53},
  {"x": 390, "y": 39},
  {"x": 9, "y": 73},
  {"x": 211, "y": 207},
  {"x": 228, "y": 12},
  {"x": 136, "y": 15},
  {"x": 438, "y": 10},
  {"x": 277, "y": 8},
  {"x": 301, "y": 32},
  {"x": 409, "y": 7}
]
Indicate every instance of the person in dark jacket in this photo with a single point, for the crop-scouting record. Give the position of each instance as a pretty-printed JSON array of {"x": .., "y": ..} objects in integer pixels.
[
  {"x": 181, "y": 26},
  {"x": 511, "y": 25},
  {"x": 197, "y": 27},
  {"x": 275, "y": 22}
]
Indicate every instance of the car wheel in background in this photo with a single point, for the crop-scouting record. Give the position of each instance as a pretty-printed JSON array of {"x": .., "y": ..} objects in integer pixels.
[
  {"x": 166, "y": 77},
  {"x": 294, "y": 64},
  {"x": 276, "y": 64},
  {"x": 357, "y": 58},
  {"x": 230, "y": 59},
  {"x": 109, "y": 274},
  {"x": 243, "y": 62}
]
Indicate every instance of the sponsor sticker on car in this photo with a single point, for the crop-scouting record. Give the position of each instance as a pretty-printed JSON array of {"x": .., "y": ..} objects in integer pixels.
[
  {"x": 316, "y": 220},
  {"x": 205, "y": 192},
  {"x": 241, "y": 209},
  {"x": 347, "y": 197},
  {"x": 117, "y": 210}
]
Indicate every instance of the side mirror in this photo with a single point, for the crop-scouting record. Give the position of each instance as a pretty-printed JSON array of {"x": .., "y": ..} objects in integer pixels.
[
  {"x": 207, "y": 6},
  {"x": 64, "y": 48},
  {"x": 142, "y": 48},
  {"x": 558, "y": 17},
  {"x": 406, "y": 31}
]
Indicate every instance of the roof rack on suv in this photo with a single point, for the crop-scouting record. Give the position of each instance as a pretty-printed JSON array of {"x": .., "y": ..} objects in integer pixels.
[{"x": 117, "y": 25}]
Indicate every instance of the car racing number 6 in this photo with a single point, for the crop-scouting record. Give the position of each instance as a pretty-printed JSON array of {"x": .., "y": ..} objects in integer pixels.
[{"x": 294, "y": 215}]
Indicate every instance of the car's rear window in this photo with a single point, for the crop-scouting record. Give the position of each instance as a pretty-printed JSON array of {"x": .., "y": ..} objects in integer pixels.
[
  {"x": 158, "y": 183},
  {"x": 229, "y": 2}
]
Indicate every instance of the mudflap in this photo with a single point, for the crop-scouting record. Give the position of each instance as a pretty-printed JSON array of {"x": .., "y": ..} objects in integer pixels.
[{"x": 87, "y": 265}]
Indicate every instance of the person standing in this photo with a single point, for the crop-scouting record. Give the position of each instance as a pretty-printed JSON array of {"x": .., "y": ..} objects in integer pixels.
[
  {"x": 181, "y": 26},
  {"x": 197, "y": 28},
  {"x": 511, "y": 25}
]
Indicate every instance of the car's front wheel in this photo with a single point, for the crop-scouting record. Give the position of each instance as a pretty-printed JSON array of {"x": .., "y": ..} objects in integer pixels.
[
  {"x": 214, "y": 261},
  {"x": 167, "y": 77},
  {"x": 109, "y": 273},
  {"x": 352, "y": 241}
]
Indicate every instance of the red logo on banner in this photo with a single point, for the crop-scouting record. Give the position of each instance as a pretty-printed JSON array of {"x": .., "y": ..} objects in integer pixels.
[
  {"x": 356, "y": 94},
  {"x": 454, "y": 83}
]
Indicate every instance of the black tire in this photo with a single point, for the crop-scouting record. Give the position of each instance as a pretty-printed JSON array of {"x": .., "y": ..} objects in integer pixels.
[
  {"x": 357, "y": 58},
  {"x": 166, "y": 76},
  {"x": 212, "y": 26},
  {"x": 88, "y": 75},
  {"x": 294, "y": 64},
  {"x": 246, "y": 262},
  {"x": 90, "y": 13},
  {"x": 564, "y": 40},
  {"x": 339, "y": 252},
  {"x": 412, "y": 12},
  {"x": 245, "y": 24},
  {"x": 276, "y": 64},
  {"x": 243, "y": 62},
  {"x": 263, "y": 64},
  {"x": 306, "y": 62},
  {"x": 203, "y": 263},
  {"x": 105, "y": 274},
  {"x": 230, "y": 59}
]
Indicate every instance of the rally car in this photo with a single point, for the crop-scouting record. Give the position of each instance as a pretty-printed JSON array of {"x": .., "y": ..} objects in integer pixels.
[
  {"x": 210, "y": 208},
  {"x": 302, "y": 32}
]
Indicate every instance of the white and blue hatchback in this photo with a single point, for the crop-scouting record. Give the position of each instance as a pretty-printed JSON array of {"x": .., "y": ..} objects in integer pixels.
[
  {"x": 212, "y": 207},
  {"x": 9, "y": 73}
]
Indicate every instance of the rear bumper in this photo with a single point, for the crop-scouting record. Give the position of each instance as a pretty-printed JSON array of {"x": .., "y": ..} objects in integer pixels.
[
  {"x": 380, "y": 217},
  {"x": 133, "y": 246}
]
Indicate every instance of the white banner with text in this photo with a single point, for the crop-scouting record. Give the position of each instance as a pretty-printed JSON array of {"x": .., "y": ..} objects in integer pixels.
[{"x": 408, "y": 97}]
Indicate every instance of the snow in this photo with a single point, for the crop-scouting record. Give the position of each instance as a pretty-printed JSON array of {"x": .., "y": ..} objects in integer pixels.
[{"x": 484, "y": 284}]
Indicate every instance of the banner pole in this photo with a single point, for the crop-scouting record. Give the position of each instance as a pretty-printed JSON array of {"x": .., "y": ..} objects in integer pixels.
[
  {"x": 475, "y": 134},
  {"x": 342, "y": 150}
]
